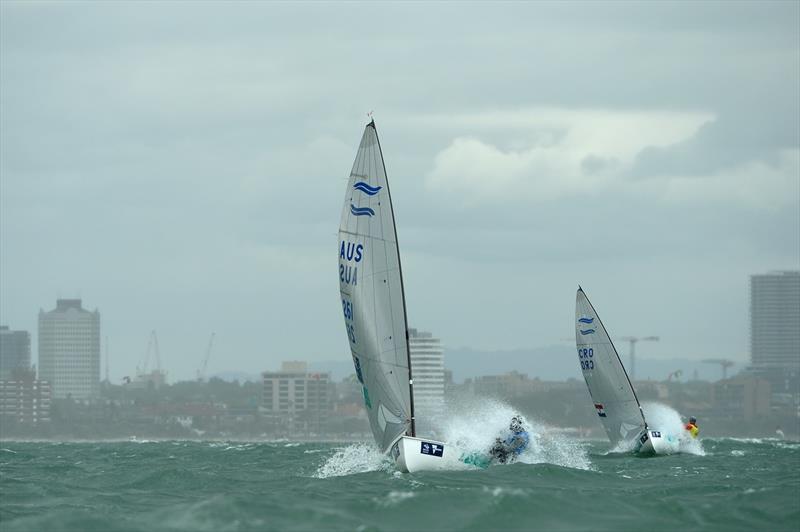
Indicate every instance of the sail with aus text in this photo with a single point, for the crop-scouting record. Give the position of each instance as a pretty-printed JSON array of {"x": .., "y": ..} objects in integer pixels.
[{"x": 373, "y": 302}]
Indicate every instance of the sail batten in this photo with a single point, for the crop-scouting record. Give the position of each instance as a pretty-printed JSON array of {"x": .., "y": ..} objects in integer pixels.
[
  {"x": 613, "y": 395},
  {"x": 371, "y": 290}
]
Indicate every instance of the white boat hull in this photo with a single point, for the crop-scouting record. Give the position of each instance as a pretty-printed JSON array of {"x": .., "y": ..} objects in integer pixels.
[
  {"x": 417, "y": 454},
  {"x": 657, "y": 442}
]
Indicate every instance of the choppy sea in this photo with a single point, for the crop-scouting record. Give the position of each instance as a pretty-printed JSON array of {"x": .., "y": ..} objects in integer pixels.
[
  {"x": 560, "y": 484},
  {"x": 230, "y": 486}
]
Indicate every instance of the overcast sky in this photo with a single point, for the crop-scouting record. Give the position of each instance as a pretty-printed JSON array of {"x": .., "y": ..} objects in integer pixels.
[{"x": 181, "y": 167}]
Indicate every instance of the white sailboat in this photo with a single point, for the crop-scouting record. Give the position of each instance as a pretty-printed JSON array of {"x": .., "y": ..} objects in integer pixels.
[
  {"x": 611, "y": 390},
  {"x": 373, "y": 303}
]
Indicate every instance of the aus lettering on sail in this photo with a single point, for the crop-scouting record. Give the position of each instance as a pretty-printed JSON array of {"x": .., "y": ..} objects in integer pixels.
[{"x": 350, "y": 254}]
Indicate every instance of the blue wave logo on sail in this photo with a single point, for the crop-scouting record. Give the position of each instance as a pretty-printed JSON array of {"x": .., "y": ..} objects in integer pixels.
[
  {"x": 587, "y": 331},
  {"x": 586, "y": 320},
  {"x": 366, "y": 189},
  {"x": 361, "y": 211}
]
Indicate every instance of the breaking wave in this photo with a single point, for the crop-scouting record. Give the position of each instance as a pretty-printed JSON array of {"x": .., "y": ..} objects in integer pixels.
[
  {"x": 668, "y": 421},
  {"x": 472, "y": 427},
  {"x": 353, "y": 459}
]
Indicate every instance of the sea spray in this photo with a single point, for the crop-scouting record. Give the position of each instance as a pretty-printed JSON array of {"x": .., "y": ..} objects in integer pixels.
[
  {"x": 355, "y": 458},
  {"x": 472, "y": 426},
  {"x": 668, "y": 421}
]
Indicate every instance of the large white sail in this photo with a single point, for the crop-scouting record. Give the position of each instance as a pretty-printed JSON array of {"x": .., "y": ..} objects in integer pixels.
[
  {"x": 612, "y": 393},
  {"x": 371, "y": 287}
]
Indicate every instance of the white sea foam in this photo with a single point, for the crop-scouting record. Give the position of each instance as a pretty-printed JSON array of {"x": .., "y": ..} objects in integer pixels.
[
  {"x": 355, "y": 458},
  {"x": 668, "y": 421},
  {"x": 393, "y": 498},
  {"x": 472, "y": 427}
]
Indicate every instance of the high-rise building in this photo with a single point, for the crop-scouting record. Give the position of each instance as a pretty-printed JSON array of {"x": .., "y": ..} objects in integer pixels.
[
  {"x": 775, "y": 319},
  {"x": 69, "y": 349},
  {"x": 427, "y": 371},
  {"x": 775, "y": 329},
  {"x": 15, "y": 351}
]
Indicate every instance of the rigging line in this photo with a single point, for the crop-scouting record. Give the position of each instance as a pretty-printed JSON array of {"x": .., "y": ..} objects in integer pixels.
[
  {"x": 366, "y": 236},
  {"x": 377, "y": 160},
  {"x": 402, "y": 288},
  {"x": 368, "y": 172},
  {"x": 375, "y": 165},
  {"x": 379, "y": 361}
]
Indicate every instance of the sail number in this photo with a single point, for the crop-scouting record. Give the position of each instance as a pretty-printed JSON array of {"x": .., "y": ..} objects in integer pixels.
[
  {"x": 347, "y": 308},
  {"x": 586, "y": 356}
]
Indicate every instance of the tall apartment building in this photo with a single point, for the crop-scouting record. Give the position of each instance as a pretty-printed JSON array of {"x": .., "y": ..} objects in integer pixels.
[
  {"x": 775, "y": 329},
  {"x": 427, "y": 371},
  {"x": 24, "y": 398},
  {"x": 15, "y": 351},
  {"x": 69, "y": 349},
  {"x": 295, "y": 394},
  {"x": 775, "y": 318}
]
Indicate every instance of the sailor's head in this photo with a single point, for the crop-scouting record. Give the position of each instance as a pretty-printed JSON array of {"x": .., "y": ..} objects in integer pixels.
[
  {"x": 516, "y": 424},
  {"x": 693, "y": 420}
]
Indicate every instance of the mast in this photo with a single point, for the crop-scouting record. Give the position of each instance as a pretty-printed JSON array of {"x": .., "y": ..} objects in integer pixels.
[
  {"x": 402, "y": 287},
  {"x": 630, "y": 385}
]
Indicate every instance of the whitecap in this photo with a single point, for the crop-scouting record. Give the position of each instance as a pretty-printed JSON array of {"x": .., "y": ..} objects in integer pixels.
[
  {"x": 667, "y": 420},
  {"x": 393, "y": 498},
  {"x": 547, "y": 445},
  {"x": 353, "y": 459}
]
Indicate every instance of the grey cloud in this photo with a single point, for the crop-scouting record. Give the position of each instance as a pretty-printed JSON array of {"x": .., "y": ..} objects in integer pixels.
[
  {"x": 731, "y": 140},
  {"x": 181, "y": 165}
]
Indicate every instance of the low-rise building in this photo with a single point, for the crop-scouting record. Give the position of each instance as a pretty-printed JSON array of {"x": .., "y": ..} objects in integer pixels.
[
  {"x": 297, "y": 397},
  {"x": 742, "y": 397},
  {"x": 24, "y": 398}
]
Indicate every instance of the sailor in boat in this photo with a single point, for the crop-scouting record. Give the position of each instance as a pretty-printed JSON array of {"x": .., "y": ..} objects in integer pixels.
[
  {"x": 504, "y": 451},
  {"x": 692, "y": 427}
]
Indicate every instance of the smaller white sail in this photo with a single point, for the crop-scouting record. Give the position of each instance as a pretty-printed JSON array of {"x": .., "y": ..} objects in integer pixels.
[{"x": 612, "y": 392}]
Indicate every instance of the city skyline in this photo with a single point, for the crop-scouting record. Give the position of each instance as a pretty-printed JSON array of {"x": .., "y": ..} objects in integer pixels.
[{"x": 552, "y": 362}]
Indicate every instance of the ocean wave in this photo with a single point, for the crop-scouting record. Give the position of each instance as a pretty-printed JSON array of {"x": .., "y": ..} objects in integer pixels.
[
  {"x": 546, "y": 446},
  {"x": 353, "y": 459},
  {"x": 393, "y": 498}
]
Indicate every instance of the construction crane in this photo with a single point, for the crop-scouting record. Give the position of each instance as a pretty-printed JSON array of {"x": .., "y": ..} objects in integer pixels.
[
  {"x": 633, "y": 341},
  {"x": 201, "y": 373},
  {"x": 152, "y": 348},
  {"x": 723, "y": 362},
  {"x": 145, "y": 378}
]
